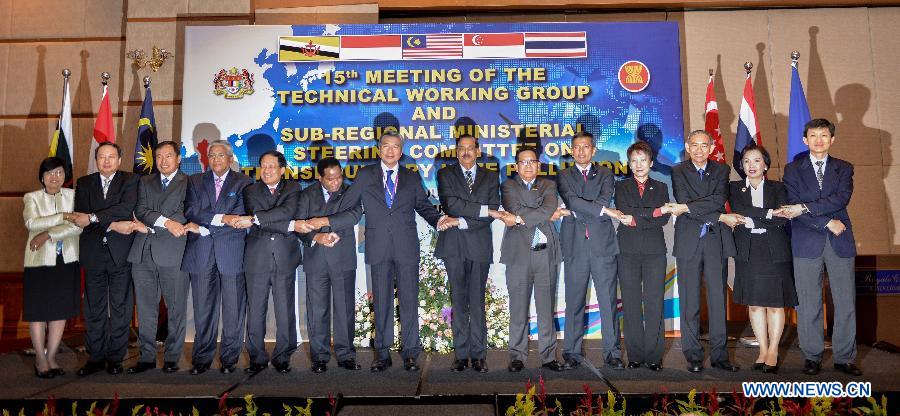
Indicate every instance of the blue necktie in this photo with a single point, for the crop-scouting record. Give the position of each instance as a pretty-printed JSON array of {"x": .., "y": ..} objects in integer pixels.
[
  {"x": 705, "y": 228},
  {"x": 389, "y": 189},
  {"x": 165, "y": 183}
]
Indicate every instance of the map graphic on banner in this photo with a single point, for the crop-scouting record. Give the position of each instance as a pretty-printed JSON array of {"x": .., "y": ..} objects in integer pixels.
[{"x": 328, "y": 90}]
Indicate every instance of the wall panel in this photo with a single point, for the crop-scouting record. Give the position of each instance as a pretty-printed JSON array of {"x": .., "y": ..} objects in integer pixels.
[{"x": 14, "y": 234}]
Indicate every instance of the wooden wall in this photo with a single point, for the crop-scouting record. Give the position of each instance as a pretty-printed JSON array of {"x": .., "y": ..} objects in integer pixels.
[{"x": 848, "y": 64}]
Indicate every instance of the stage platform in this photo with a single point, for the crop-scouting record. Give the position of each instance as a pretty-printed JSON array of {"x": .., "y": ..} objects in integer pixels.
[{"x": 434, "y": 390}]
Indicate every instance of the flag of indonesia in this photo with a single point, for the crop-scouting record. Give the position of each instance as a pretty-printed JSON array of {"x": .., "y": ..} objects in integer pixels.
[
  {"x": 371, "y": 48},
  {"x": 493, "y": 45},
  {"x": 748, "y": 127}
]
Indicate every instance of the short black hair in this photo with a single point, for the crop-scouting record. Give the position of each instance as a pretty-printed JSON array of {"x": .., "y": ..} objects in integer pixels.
[
  {"x": 762, "y": 150},
  {"x": 100, "y": 146},
  {"x": 818, "y": 123},
  {"x": 526, "y": 149},
  {"x": 49, "y": 164},
  {"x": 162, "y": 144},
  {"x": 282, "y": 162},
  {"x": 581, "y": 134},
  {"x": 466, "y": 136},
  {"x": 327, "y": 163},
  {"x": 640, "y": 146}
]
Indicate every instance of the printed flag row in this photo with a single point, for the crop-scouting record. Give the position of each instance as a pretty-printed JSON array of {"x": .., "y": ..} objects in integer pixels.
[{"x": 433, "y": 46}]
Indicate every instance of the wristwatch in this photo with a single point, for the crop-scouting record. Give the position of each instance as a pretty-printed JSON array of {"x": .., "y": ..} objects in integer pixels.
[
  {"x": 804, "y": 209},
  {"x": 93, "y": 219},
  {"x": 519, "y": 220}
]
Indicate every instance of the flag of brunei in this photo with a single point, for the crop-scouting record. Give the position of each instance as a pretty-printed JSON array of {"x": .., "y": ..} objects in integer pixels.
[{"x": 308, "y": 48}]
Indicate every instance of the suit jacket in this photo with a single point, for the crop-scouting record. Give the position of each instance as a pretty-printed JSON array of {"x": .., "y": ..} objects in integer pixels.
[
  {"x": 341, "y": 257},
  {"x": 741, "y": 201},
  {"x": 535, "y": 207},
  {"x": 121, "y": 198},
  {"x": 706, "y": 200},
  {"x": 271, "y": 238},
  {"x": 475, "y": 242},
  {"x": 153, "y": 202},
  {"x": 646, "y": 237},
  {"x": 808, "y": 230},
  {"x": 587, "y": 199},
  {"x": 44, "y": 212},
  {"x": 200, "y": 208},
  {"x": 394, "y": 228}
]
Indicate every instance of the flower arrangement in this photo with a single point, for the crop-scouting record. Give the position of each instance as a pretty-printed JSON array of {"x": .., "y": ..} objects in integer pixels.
[{"x": 435, "y": 310}]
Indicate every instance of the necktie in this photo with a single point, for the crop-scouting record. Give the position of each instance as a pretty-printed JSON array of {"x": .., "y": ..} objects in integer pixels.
[
  {"x": 469, "y": 180},
  {"x": 389, "y": 189},
  {"x": 327, "y": 195},
  {"x": 587, "y": 233},
  {"x": 165, "y": 183},
  {"x": 701, "y": 172},
  {"x": 820, "y": 176},
  {"x": 272, "y": 190},
  {"x": 705, "y": 228},
  {"x": 106, "y": 186},
  {"x": 218, "y": 187}
]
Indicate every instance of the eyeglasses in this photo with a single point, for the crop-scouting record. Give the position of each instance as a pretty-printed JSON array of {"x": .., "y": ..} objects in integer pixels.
[
  {"x": 527, "y": 162},
  {"x": 218, "y": 155},
  {"x": 57, "y": 173}
]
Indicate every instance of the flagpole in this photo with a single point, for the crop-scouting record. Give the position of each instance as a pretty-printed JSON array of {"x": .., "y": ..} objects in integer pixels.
[
  {"x": 65, "y": 73},
  {"x": 748, "y": 66},
  {"x": 795, "y": 57},
  {"x": 147, "y": 82}
]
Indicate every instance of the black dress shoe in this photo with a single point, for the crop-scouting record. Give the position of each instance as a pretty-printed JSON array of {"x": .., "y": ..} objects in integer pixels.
[
  {"x": 615, "y": 364},
  {"x": 459, "y": 365},
  {"x": 90, "y": 368},
  {"x": 811, "y": 367},
  {"x": 319, "y": 366},
  {"x": 571, "y": 363},
  {"x": 170, "y": 367},
  {"x": 282, "y": 368},
  {"x": 114, "y": 368},
  {"x": 140, "y": 368},
  {"x": 380, "y": 365},
  {"x": 695, "y": 366},
  {"x": 770, "y": 369},
  {"x": 57, "y": 372},
  {"x": 654, "y": 366},
  {"x": 42, "y": 374},
  {"x": 758, "y": 366},
  {"x": 554, "y": 366},
  {"x": 228, "y": 368},
  {"x": 349, "y": 365},
  {"x": 515, "y": 366},
  {"x": 848, "y": 369},
  {"x": 409, "y": 364},
  {"x": 198, "y": 369},
  {"x": 634, "y": 364},
  {"x": 255, "y": 368},
  {"x": 479, "y": 365},
  {"x": 726, "y": 365}
]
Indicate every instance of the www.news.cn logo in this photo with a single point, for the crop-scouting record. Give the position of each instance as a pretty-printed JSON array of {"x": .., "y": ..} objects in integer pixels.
[{"x": 807, "y": 389}]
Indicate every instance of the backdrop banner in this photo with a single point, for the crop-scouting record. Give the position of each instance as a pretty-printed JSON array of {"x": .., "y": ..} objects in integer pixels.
[{"x": 332, "y": 90}]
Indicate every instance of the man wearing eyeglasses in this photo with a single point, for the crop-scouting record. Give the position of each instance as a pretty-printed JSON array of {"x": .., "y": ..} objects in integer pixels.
[
  {"x": 531, "y": 253},
  {"x": 214, "y": 258}
]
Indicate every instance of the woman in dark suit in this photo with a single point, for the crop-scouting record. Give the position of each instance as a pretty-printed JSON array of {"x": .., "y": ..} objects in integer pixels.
[
  {"x": 763, "y": 272},
  {"x": 51, "y": 282},
  {"x": 642, "y": 258}
]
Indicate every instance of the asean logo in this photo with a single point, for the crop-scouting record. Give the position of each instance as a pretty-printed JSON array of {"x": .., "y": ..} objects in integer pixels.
[
  {"x": 634, "y": 76},
  {"x": 233, "y": 84}
]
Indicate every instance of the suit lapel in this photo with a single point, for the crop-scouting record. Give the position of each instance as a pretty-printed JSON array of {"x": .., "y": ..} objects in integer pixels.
[
  {"x": 828, "y": 182},
  {"x": 209, "y": 181},
  {"x": 479, "y": 177},
  {"x": 808, "y": 174}
]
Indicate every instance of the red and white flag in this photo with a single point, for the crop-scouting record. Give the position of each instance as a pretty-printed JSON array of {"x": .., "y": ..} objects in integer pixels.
[
  {"x": 371, "y": 48},
  {"x": 493, "y": 45},
  {"x": 104, "y": 129},
  {"x": 712, "y": 123}
]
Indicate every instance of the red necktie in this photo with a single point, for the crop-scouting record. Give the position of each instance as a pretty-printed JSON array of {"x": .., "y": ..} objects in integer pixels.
[{"x": 587, "y": 233}]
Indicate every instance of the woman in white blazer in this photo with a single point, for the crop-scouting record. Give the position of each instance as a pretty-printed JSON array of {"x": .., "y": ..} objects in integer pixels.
[{"x": 51, "y": 284}]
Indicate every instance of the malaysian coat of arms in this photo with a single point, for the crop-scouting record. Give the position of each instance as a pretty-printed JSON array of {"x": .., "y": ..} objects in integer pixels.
[{"x": 232, "y": 83}]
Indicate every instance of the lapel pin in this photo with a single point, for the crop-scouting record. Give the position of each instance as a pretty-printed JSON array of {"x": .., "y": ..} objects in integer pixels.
[{"x": 743, "y": 189}]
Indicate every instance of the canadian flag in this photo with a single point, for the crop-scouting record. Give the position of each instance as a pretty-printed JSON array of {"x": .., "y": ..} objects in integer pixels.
[{"x": 104, "y": 129}]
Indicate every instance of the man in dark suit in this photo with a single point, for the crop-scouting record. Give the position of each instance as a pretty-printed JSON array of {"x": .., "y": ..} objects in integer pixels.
[
  {"x": 700, "y": 187},
  {"x": 271, "y": 257},
  {"x": 531, "y": 253},
  {"x": 820, "y": 187},
  {"x": 104, "y": 202},
  {"x": 214, "y": 258},
  {"x": 156, "y": 258},
  {"x": 330, "y": 266},
  {"x": 472, "y": 194},
  {"x": 392, "y": 195},
  {"x": 589, "y": 249}
]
